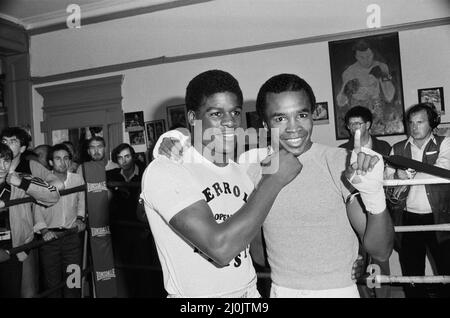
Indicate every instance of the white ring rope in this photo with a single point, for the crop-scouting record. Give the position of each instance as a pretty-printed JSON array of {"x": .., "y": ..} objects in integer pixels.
[
  {"x": 398, "y": 182},
  {"x": 386, "y": 279},
  {"x": 422, "y": 228}
]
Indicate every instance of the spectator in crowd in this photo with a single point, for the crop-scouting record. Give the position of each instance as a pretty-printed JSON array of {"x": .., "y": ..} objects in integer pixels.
[
  {"x": 18, "y": 141},
  {"x": 361, "y": 118},
  {"x": 95, "y": 151},
  {"x": 75, "y": 162},
  {"x": 42, "y": 151},
  {"x": 124, "y": 206},
  {"x": 69, "y": 212},
  {"x": 423, "y": 204},
  {"x": 124, "y": 203},
  {"x": 16, "y": 224}
]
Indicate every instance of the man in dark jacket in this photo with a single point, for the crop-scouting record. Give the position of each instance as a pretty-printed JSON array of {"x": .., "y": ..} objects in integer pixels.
[
  {"x": 424, "y": 204},
  {"x": 361, "y": 118}
]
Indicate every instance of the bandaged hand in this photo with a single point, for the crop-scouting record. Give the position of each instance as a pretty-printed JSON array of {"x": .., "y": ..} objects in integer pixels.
[
  {"x": 172, "y": 144},
  {"x": 365, "y": 173}
]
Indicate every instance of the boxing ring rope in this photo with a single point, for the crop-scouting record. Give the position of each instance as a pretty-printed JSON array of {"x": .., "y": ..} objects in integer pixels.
[
  {"x": 391, "y": 279},
  {"x": 398, "y": 182},
  {"x": 38, "y": 243},
  {"x": 430, "y": 279}
]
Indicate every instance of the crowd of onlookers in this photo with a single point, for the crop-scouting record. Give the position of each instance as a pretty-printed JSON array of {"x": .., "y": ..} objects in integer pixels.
[{"x": 40, "y": 173}]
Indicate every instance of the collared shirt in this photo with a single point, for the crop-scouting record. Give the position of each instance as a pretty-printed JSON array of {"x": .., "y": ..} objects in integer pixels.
[
  {"x": 417, "y": 201},
  {"x": 64, "y": 213},
  {"x": 135, "y": 173}
]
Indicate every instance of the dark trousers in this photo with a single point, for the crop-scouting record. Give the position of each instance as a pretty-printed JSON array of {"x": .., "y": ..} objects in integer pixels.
[
  {"x": 10, "y": 278},
  {"x": 413, "y": 252},
  {"x": 55, "y": 256}
]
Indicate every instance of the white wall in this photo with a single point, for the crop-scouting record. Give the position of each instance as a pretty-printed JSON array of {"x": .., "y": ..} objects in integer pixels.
[
  {"x": 215, "y": 25},
  {"x": 424, "y": 58}
]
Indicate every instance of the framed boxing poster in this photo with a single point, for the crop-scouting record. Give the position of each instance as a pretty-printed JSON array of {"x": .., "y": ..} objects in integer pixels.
[{"x": 366, "y": 72}]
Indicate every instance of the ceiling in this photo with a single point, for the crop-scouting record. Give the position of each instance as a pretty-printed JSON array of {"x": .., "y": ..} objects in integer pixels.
[{"x": 33, "y": 14}]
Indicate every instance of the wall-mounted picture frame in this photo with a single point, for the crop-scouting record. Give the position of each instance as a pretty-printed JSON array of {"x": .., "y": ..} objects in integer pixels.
[
  {"x": 137, "y": 138},
  {"x": 134, "y": 121},
  {"x": 176, "y": 116},
  {"x": 320, "y": 114},
  {"x": 154, "y": 129},
  {"x": 434, "y": 95},
  {"x": 443, "y": 129},
  {"x": 366, "y": 71}
]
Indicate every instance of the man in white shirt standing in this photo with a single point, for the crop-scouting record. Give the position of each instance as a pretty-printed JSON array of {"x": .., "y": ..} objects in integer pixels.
[
  {"x": 424, "y": 204},
  {"x": 68, "y": 213}
]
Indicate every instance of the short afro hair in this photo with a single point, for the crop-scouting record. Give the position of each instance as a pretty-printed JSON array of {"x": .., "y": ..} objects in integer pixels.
[{"x": 209, "y": 83}]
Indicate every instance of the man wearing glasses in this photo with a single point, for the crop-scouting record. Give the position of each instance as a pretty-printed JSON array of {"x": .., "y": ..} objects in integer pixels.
[{"x": 361, "y": 118}]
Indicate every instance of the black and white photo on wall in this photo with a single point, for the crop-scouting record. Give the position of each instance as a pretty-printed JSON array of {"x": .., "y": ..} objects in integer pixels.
[
  {"x": 134, "y": 121},
  {"x": 154, "y": 129},
  {"x": 366, "y": 72},
  {"x": 320, "y": 114},
  {"x": 176, "y": 116},
  {"x": 136, "y": 138},
  {"x": 433, "y": 95}
]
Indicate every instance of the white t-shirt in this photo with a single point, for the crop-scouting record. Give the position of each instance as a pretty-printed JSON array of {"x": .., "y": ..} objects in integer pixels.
[{"x": 168, "y": 188}]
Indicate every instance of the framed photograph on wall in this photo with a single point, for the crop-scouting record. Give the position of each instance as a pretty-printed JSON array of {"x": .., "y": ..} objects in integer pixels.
[
  {"x": 154, "y": 129},
  {"x": 320, "y": 114},
  {"x": 176, "y": 116},
  {"x": 443, "y": 129},
  {"x": 134, "y": 121},
  {"x": 137, "y": 138},
  {"x": 434, "y": 95},
  {"x": 366, "y": 72}
]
